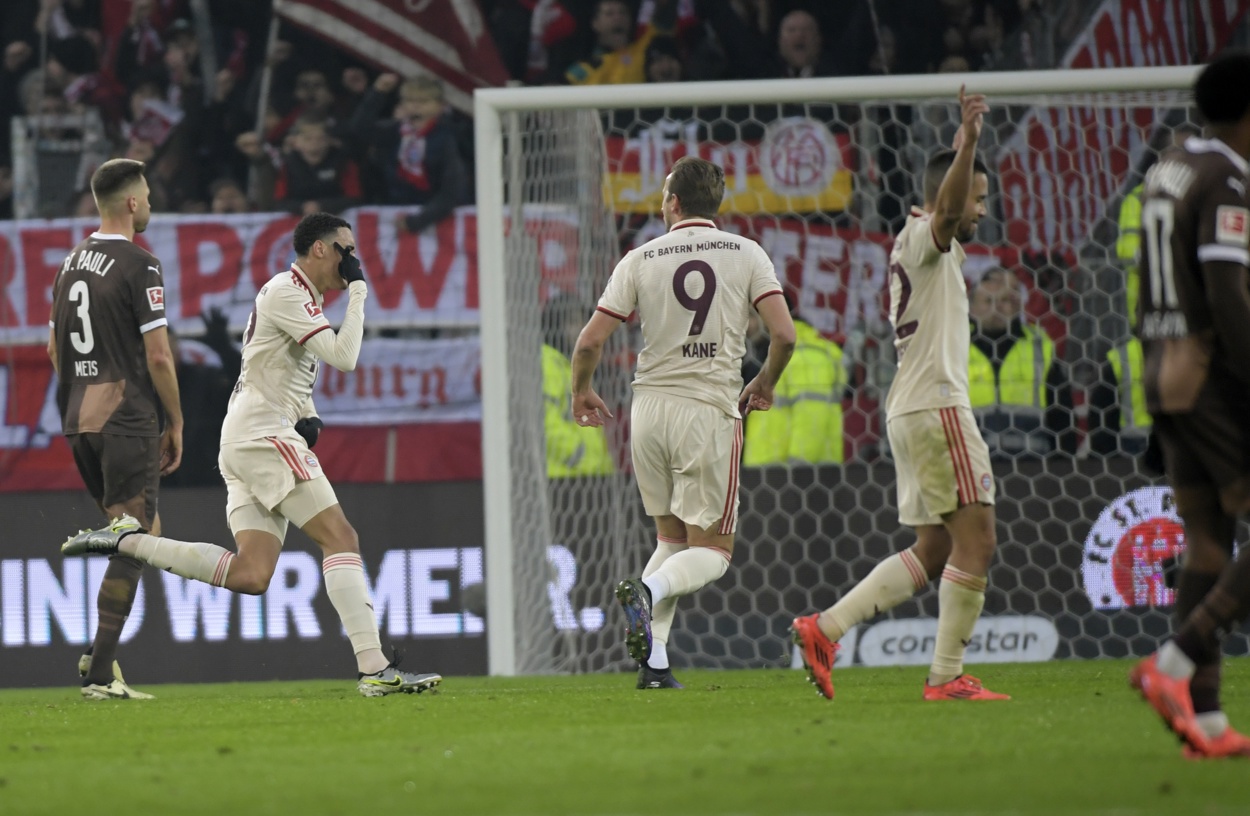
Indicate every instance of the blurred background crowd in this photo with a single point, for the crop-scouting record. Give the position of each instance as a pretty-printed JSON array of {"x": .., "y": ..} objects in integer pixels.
[{"x": 181, "y": 84}]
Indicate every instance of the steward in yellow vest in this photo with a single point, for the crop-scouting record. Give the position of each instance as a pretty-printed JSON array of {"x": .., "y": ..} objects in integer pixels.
[
  {"x": 571, "y": 449},
  {"x": 804, "y": 425},
  {"x": 1018, "y": 391},
  {"x": 1118, "y": 419}
]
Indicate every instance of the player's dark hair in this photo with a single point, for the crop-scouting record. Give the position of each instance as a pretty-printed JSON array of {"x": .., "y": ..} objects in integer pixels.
[
  {"x": 316, "y": 227},
  {"x": 1222, "y": 91},
  {"x": 699, "y": 184},
  {"x": 113, "y": 177},
  {"x": 936, "y": 169}
]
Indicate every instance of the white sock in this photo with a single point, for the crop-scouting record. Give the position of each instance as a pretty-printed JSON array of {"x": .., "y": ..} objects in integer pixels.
[
  {"x": 684, "y": 572},
  {"x": 960, "y": 599},
  {"x": 345, "y": 584},
  {"x": 661, "y": 613},
  {"x": 1212, "y": 723},
  {"x": 1175, "y": 663},
  {"x": 196, "y": 560},
  {"x": 890, "y": 583}
]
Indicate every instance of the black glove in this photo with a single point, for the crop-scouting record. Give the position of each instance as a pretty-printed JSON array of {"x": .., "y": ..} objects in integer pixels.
[
  {"x": 310, "y": 429},
  {"x": 349, "y": 265}
]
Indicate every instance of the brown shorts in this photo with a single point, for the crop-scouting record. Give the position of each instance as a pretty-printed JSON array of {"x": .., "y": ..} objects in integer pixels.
[
  {"x": 1208, "y": 447},
  {"x": 117, "y": 468}
]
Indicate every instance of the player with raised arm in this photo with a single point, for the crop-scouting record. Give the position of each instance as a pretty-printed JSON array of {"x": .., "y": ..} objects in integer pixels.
[
  {"x": 115, "y": 373},
  {"x": 1195, "y": 331},
  {"x": 945, "y": 486},
  {"x": 271, "y": 475},
  {"x": 693, "y": 289}
]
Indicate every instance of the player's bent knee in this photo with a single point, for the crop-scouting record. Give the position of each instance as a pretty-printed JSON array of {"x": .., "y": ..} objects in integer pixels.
[{"x": 250, "y": 580}]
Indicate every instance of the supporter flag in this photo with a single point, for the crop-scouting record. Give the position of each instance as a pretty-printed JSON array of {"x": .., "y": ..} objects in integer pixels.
[{"x": 445, "y": 38}]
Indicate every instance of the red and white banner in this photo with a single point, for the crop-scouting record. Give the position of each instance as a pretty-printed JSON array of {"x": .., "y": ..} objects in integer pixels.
[
  {"x": 1065, "y": 164},
  {"x": 445, "y": 38},
  {"x": 221, "y": 261},
  {"x": 404, "y": 381}
]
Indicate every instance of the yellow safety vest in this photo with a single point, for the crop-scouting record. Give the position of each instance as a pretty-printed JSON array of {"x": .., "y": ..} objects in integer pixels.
[
  {"x": 1127, "y": 245},
  {"x": 1021, "y": 380},
  {"x": 1128, "y": 364},
  {"x": 571, "y": 449},
  {"x": 805, "y": 423}
]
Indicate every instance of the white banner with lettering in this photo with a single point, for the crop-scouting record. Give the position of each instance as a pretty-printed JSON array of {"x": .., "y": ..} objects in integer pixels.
[
  {"x": 402, "y": 381},
  {"x": 221, "y": 261}
]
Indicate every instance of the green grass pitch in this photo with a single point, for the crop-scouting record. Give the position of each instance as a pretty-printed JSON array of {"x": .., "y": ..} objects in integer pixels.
[{"x": 1075, "y": 740}]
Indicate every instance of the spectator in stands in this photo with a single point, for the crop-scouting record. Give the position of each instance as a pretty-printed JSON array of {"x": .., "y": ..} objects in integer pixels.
[
  {"x": 6, "y": 192},
  {"x": 572, "y": 450},
  {"x": 800, "y": 45},
  {"x": 618, "y": 57},
  {"x": 1118, "y": 419},
  {"x": 226, "y": 196},
  {"x": 141, "y": 48},
  {"x": 804, "y": 426},
  {"x": 73, "y": 68},
  {"x": 417, "y": 151},
  {"x": 313, "y": 176},
  {"x": 1018, "y": 387},
  {"x": 664, "y": 62}
]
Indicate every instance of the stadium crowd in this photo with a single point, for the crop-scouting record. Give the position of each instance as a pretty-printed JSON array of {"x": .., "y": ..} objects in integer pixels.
[
  {"x": 330, "y": 128},
  {"x": 187, "y": 93}
]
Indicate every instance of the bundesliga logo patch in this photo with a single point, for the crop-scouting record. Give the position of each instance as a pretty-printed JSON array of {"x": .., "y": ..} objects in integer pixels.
[
  {"x": 156, "y": 297},
  {"x": 313, "y": 309},
  {"x": 1232, "y": 225}
]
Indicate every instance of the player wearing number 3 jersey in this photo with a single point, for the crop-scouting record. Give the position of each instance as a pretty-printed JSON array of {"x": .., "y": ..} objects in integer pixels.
[
  {"x": 693, "y": 289},
  {"x": 115, "y": 378},
  {"x": 945, "y": 487}
]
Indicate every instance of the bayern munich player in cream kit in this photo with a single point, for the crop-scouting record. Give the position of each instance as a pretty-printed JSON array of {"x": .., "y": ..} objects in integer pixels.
[
  {"x": 693, "y": 289},
  {"x": 942, "y": 464}
]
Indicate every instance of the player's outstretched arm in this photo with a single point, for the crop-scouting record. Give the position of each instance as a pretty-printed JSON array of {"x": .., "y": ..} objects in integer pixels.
[
  {"x": 588, "y": 408},
  {"x": 758, "y": 394},
  {"x": 952, "y": 196}
]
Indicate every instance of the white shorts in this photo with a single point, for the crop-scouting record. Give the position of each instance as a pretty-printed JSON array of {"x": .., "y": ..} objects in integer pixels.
[
  {"x": 271, "y": 481},
  {"x": 686, "y": 456},
  {"x": 941, "y": 463}
]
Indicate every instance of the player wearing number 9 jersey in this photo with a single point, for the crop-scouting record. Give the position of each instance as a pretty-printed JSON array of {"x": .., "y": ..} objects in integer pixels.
[
  {"x": 1195, "y": 332},
  {"x": 109, "y": 345},
  {"x": 945, "y": 487},
  {"x": 693, "y": 289}
]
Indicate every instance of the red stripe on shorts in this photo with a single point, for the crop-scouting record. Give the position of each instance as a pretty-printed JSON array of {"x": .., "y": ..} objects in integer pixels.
[
  {"x": 290, "y": 456},
  {"x": 952, "y": 446},
  {"x": 731, "y": 507},
  {"x": 963, "y": 451}
]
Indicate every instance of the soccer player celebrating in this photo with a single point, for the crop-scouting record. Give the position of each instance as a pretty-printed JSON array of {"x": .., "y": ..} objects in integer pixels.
[
  {"x": 271, "y": 475},
  {"x": 1195, "y": 331},
  {"x": 945, "y": 488},
  {"x": 115, "y": 372},
  {"x": 693, "y": 289}
]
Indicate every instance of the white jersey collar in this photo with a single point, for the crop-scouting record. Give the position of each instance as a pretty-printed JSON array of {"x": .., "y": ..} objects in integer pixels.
[
  {"x": 304, "y": 282},
  {"x": 108, "y": 236},
  {"x": 693, "y": 222}
]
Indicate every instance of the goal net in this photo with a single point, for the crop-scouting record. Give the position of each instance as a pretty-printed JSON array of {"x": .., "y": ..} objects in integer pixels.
[{"x": 822, "y": 173}]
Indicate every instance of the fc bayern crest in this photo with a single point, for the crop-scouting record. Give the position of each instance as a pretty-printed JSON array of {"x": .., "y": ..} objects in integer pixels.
[
  {"x": 1125, "y": 549},
  {"x": 799, "y": 157}
]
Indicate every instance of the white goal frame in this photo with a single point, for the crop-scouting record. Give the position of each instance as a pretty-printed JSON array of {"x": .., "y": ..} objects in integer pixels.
[{"x": 491, "y": 107}]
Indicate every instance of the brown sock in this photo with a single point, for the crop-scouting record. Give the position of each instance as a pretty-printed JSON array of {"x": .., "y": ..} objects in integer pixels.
[
  {"x": 1222, "y": 608},
  {"x": 117, "y": 594},
  {"x": 1204, "y": 688}
]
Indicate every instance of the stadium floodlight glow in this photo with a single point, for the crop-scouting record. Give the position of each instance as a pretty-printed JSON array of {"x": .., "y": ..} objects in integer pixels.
[{"x": 545, "y": 158}]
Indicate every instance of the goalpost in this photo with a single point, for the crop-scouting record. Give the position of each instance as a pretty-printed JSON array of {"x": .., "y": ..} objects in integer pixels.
[{"x": 820, "y": 171}]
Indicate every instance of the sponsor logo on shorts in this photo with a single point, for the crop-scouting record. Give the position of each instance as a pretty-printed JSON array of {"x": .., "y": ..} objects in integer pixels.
[
  {"x": 1126, "y": 547},
  {"x": 986, "y": 481},
  {"x": 156, "y": 297},
  {"x": 311, "y": 460},
  {"x": 1002, "y": 639}
]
